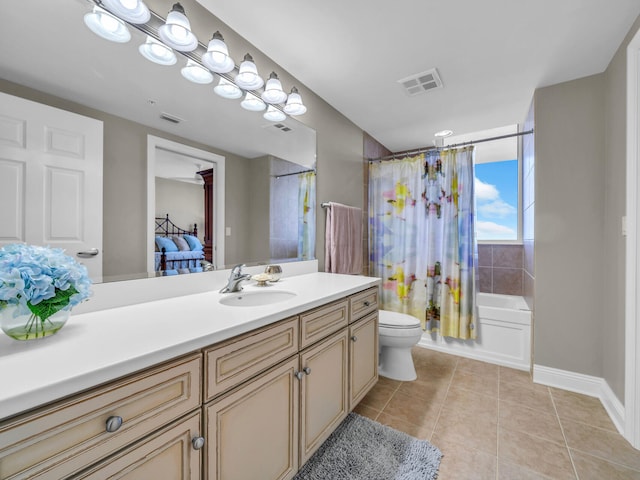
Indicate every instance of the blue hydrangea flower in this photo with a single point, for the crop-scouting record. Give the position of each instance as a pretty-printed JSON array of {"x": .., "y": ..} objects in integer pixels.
[{"x": 31, "y": 275}]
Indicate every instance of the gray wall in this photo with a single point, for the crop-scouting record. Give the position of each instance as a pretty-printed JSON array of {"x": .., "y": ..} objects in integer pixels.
[
  {"x": 613, "y": 327},
  {"x": 569, "y": 221},
  {"x": 182, "y": 201}
]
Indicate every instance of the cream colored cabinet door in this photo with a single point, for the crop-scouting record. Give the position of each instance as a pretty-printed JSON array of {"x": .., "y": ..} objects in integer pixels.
[
  {"x": 252, "y": 432},
  {"x": 323, "y": 399},
  {"x": 363, "y": 357},
  {"x": 171, "y": 453}
]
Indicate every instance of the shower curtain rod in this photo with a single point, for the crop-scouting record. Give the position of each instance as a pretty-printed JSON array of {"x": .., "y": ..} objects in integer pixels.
[
  {"x": 294, "y": 173},
  {"x": 461, "y": 144}
]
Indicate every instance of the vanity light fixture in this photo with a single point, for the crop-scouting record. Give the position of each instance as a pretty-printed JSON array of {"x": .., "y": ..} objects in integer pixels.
[
  {"x": 107, "y": 26},
  {"x": 217, "y": 57},
  {"x": 226, "y": 89},
  {"x": 176, "y": 32},
  {"x": 196, "y": 73},
  {"x": 157, "y": 52},
  {"x": 273, "y": 92},
  {"x": 132, "y": 11},
  {"x": 294, "y": 104},
  {"x": 274, "y": 115},
  {"x": 248, "y": 78},
  {"x": 252, "y": 103}
]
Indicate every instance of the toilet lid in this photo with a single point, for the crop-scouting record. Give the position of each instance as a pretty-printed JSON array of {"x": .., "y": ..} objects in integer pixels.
[{"x": 397, "y": 320}]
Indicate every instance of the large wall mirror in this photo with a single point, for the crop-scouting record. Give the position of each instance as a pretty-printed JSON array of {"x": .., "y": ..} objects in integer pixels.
[{"x": 52, "y": 58}]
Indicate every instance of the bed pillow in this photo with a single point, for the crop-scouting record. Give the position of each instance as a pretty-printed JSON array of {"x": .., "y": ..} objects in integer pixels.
[
  {"x": 181, "y": 243},
  {"x": 166, "y": 243},
  {"x": 193, "y": 242}
]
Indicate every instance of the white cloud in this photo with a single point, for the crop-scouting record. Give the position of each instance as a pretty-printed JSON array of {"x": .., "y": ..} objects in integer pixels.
[
  {"x": 493, "y": 231},
  {"x": 485, "y": 191},
  {"x": 498, "y": 208}
]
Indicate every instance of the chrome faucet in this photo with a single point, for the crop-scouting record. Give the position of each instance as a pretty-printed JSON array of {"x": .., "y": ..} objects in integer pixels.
[{"x": 235, "y": 277}]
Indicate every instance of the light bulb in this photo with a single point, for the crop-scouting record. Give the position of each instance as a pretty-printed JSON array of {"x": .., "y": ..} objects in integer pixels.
[
  {"x": 105, "y": 25},
  {"x": 227, "y": 89},
  {"x": 196, "y": 73},
  {"x": 294, "y": 104},
  {"x": 217, "y": 57},
  {"x": 176, "y": 32},
  {"x": 157, "y": 52},
  {"x": 273, "y": 92},
  {"x": 133, "y": 11},
  {"x": 252, "y": 103},
  {"x": 274, "y": 115},
  {"x": 248, "y": 77}
]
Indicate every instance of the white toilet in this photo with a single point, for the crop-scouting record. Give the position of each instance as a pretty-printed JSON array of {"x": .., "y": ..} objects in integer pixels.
[{"x": 398, "y": 333}]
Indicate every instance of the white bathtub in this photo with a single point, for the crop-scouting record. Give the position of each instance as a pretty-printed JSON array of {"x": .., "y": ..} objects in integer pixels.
[{"x": 504, "y": 333}]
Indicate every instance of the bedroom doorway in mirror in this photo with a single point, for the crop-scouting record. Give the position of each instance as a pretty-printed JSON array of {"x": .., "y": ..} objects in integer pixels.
[{"x": 192, "y": 208}]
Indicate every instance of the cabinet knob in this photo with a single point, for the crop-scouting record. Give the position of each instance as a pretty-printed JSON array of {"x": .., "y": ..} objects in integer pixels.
[
  {"x": 113, "y": 423},
  {"x": 197, "y": 442},
  {"x": 307, "y": 370},
  {"x": 367, "y": 303},
  {"x": 354, "y": 338},
  {"x": 299, "y": 375}
]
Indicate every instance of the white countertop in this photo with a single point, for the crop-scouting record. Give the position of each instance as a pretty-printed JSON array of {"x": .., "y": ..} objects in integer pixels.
[{"x": 100, "y": 346}]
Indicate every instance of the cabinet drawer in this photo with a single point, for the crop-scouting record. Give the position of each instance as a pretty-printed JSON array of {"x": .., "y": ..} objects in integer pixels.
[
  {"x": 322, "y": 322},
  {"x": 363, "y": 303},
  {"x": 167, "y": 454},
  {"x": 243, "y": 357},
  {"x": 62, "y": 439}
]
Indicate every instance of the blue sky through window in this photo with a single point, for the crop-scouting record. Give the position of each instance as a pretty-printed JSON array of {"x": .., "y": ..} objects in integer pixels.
[{"x": 496, "y": 190}]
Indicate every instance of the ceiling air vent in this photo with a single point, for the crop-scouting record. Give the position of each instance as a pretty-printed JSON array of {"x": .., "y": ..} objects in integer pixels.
[
  {"x": 421, "y": 82},
  {"x": 171, "y": 118}
]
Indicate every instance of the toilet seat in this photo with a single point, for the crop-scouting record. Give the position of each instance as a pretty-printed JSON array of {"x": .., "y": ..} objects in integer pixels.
[{"x": 395, "y": 320}]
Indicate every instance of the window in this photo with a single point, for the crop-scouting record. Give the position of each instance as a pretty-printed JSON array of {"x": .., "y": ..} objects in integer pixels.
[{"x": 496, "y": 190}]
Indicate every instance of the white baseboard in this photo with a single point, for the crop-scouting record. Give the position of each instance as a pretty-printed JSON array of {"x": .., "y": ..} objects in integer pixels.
[{"x": 586, "y": 385}]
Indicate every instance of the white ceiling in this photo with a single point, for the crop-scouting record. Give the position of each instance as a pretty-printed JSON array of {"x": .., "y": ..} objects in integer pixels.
[{"x": 491, "y": 55}]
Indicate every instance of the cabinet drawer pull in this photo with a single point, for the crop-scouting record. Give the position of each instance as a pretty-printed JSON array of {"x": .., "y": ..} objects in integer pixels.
[
  {"x": 113, "y": 423},
  {"x": 299, "y": 375},
  {"x": 354, "y": 338},
  {"x": 307, "y": 370},
  {"x": 366, "y": 303},
  {"x": 197, "y": 442}
]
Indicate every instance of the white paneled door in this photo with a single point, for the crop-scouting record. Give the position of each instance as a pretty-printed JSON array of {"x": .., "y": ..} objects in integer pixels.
[{"x": 51, "y": 180}]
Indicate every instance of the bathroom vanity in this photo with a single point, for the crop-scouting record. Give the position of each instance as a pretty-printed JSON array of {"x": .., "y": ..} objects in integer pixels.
[{"x": 190, "y": 388}]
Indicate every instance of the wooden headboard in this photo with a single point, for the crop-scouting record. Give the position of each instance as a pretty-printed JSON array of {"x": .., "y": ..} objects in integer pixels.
[{"x": 167, "y": 228}]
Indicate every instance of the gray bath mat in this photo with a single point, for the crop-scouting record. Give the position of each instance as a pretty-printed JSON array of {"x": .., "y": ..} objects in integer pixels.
[{"x": 361, "y": 449}]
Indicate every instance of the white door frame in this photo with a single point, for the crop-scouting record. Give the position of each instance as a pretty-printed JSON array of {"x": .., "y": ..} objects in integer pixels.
[
  {"x": 632, "y": 310},
  {"x": 154, "y": 143}
]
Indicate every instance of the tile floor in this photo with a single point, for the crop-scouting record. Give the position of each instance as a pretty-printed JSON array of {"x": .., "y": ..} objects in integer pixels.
[{"x": 492, "y": 422}]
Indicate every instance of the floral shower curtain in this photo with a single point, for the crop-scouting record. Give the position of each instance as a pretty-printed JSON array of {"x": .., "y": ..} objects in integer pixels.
[
  {"x": 306, "y": 216},
  {"x": 421, "y": 238}
]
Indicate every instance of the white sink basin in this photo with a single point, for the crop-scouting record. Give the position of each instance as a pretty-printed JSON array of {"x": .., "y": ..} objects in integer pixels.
[{"x": 256, "y": 299}]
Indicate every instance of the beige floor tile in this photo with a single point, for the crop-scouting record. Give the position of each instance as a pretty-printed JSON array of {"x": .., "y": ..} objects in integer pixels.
[
  {"x": 581, "y": 408},
  {"x": 518, "y": 418},
  {"x": 536, "y": 454},
  {"x": 432, "y": 391},
  {"x": 460, "y": 462},
  {"x": 486, "y": 385},
  {"x": 418, "y": 431},
  {"x": 388, "y": 382},
  {"x": 605, "y": 444},
  {"x": 511, "y": 376},
  {"x": 476, "y": 367},
  {"x": 365, "y": 411},
  {"x": 537, "y": 397},
  {"x": 378, "y": 396},
  {"x": 424, "y": 356},
  {"x": 509, "y": 471},
  {"x": 475, "y": 432},
  {"x": 592, "y": 468},
  {"x": 412, "y": 410},
  {"x": 470, "y": 403}
]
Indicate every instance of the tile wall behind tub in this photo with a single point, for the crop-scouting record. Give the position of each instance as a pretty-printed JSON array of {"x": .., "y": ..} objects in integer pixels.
[{"x": 501, "y": 269}]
